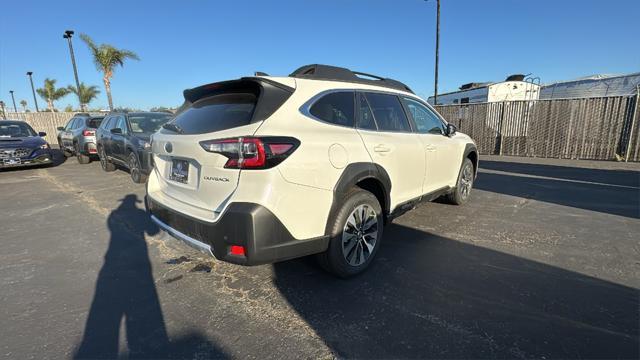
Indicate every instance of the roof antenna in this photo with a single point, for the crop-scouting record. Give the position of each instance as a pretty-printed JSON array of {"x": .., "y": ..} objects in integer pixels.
[{"x": 260, "y": 73}]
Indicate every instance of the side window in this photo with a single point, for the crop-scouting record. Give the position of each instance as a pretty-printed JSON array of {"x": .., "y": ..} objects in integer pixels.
[
  {"x": 388, "y": 112},
  {"x": 79, "y": 123},
  {"x": 426, "y": 121},
  {"x": 69, "y": 125},
  {"x": 121, "y": 124},
  {"x": 106, "y": 123},
  {"x": 365, "y": 117},
  {"x": 336, "y": 108}
]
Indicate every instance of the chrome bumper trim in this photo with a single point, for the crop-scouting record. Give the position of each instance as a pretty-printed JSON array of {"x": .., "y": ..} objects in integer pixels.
[{"x": 198, "y": 245}]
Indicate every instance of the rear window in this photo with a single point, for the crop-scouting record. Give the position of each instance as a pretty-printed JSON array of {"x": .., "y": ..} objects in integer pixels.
[
  {"x": 216, "y": 113},
  {"x": 94, "y": 122},
  {"x": 147, "y": 123}
]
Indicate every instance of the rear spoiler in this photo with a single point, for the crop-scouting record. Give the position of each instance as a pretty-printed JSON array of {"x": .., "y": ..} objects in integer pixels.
[{"x": 271, "y": 94}]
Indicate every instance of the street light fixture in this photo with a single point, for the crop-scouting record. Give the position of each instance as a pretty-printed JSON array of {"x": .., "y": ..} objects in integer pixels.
[
  {"x": 15, "y": 108},
  {"x": 33, "y": 90},
  {"x": 68, "y": 34}
]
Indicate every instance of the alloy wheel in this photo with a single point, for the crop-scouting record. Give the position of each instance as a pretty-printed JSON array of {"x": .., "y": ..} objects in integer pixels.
[
  {"x": 103, "y": 158},
  {"x": 134, "y": 169},
  {"x": 466, "y": 181},
  {"x": 359, "y": 235}
]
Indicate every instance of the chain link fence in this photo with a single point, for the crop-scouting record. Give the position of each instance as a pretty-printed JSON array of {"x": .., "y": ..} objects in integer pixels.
[{"x": 604, "y": 128}]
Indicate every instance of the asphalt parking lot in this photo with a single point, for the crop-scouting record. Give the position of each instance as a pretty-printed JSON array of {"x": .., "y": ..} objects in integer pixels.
[{"x": 542, "y": 263}]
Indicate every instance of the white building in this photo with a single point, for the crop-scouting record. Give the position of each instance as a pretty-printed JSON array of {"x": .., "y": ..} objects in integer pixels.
[{"x": 514, "y": 88}]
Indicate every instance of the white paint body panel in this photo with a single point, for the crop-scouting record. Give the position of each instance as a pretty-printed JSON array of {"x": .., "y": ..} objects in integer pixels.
[{"x": 299, "y": 191}]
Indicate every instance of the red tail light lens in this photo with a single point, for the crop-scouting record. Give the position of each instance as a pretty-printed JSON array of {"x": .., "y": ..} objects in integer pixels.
[
  {"x": 252, "y": 152},
  {"x": 89, "y": 133}
]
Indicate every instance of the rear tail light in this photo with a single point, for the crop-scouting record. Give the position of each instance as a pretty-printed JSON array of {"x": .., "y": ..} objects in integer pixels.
[
  {"x": 252, "y": 152},
  {"x": 88, "y": 133}
]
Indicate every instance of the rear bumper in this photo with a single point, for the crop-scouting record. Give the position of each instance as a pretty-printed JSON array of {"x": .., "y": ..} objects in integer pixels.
[{"x": 252, "y": 226}]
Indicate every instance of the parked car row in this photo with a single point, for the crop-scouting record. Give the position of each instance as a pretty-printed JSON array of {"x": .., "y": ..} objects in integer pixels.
[
  {"x": 115, "y": 139},
  {"x": 264, "y": 169}
]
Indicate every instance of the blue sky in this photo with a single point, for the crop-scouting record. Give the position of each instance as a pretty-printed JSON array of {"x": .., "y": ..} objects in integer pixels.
[{"x": 190, "y": 42}]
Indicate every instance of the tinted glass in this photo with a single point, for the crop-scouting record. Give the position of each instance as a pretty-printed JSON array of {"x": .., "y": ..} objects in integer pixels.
[
  {"x": 365, "y": 117},
  {"x": 217, "y": 113},
  {"x": 121, "y": 124},
  {"x": 426, "y": 121},
  {"x": 336, "y": 108},
  {"x": 388, "y": 112},
  {"x": 13, "y": 130},
  {"x": 106, "y": 123},
  {"x": 94, "y": 122},
  {"x": 69, "y": 125},
  {"x": 147, "y": 123}
]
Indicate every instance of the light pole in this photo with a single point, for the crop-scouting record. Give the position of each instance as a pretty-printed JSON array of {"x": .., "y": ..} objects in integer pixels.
[
  {"x": 67, "y": 35},
  {"x": 435, "y": 91},
  {"x": 33, "y": 90},
  {"x": 15, "y": 108}
]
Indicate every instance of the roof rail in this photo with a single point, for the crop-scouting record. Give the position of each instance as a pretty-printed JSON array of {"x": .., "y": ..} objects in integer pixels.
[{"x": 334, "y": 73}]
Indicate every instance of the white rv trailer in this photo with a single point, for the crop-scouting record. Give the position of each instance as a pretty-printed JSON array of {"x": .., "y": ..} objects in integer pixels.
[{"x": 490, "y": 92}]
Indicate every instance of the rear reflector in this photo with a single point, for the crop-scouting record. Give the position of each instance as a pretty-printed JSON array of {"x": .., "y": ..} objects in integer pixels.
[
  {"x": 88, "y": 133},
  {"x": 236, "y": 250},
  {"x": 252, "y": 152}
]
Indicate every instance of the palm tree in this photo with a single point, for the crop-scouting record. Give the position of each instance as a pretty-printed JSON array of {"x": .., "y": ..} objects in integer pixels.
[
  {"x": 106, "y": 57},
  {"x": 23, "y": 103},
  {"x": 86, "y": 94},
  {"x": 50, "y": 93}
]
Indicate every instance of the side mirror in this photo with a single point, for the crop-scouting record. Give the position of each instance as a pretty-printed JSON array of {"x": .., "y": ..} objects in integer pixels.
[
  {"x": 61, "y": 128},
  {"x": 451, "y": 130},
  {"x": 116, "y": 131},
  {"x": 42, "y": 134}
]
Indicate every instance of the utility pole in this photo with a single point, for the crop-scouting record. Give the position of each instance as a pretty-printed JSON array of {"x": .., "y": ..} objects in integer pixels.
[
  {"x": 67, "y": 35},
  {"x": 435, "y": 92},
  {"x": 33, "y": 90},
  {"x": 15, "y": 108}
]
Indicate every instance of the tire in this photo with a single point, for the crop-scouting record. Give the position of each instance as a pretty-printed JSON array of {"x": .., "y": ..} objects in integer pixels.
[
  {"x": 82, "y": 158},
  {"x": 63, "y": 150},
  {"x": 462, "y": 191},
  {"x": 134, "y": 169},
  {"x": 104, "y": 162},
  {"x": 347, "y": 252}
]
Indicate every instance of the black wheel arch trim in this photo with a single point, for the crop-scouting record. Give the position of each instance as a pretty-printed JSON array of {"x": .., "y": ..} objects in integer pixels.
[
  {"x": 353, "y": 174},
  {"x": 468, "y": 149}
]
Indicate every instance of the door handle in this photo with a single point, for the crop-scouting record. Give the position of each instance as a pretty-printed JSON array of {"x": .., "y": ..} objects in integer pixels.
[
  {"x": 381, "y": 148},
  {"x": 430, "y": 148}
]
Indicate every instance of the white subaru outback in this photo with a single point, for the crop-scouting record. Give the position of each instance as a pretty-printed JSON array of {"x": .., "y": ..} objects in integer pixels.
[{"x": 263, "y": 169}]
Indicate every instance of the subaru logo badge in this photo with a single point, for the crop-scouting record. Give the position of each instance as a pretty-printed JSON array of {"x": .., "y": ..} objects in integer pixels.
[{"x": 168, "y": 147}]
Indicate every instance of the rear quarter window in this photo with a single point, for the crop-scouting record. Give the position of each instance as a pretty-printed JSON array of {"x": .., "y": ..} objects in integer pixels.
[
  {"x": 216, "y": 113},
  {"x": 336, "y": 108}
]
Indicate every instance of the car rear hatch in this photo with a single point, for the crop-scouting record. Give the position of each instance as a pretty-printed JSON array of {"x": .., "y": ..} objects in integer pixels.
[{"x": 188, "y": 173}]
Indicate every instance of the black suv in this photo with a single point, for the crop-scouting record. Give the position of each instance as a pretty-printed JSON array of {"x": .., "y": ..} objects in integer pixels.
[{"x": 125, "y": 139}]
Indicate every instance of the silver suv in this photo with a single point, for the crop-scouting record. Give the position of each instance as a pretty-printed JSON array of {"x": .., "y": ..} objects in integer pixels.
[{"x": 78, "y": 137}]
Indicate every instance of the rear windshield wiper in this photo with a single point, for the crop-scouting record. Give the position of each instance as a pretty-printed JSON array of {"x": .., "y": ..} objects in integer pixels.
[{"x": 173, "y": 127}]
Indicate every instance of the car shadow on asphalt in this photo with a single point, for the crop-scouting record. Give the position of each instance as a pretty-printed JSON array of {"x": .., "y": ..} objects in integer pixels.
[
  {"x": 125, "y": 292},
  {"x": 429, "y": 296},
  {"x": 615, "y": 192}
]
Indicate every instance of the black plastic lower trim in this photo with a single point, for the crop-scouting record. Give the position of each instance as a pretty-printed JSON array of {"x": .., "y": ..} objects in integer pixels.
[
  {"x": 409, "y": 205},
  {"x": 265, "y": 238}
]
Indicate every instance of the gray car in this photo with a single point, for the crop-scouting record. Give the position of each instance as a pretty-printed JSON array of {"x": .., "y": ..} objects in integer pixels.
[{"x": 78, "y": 137}]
